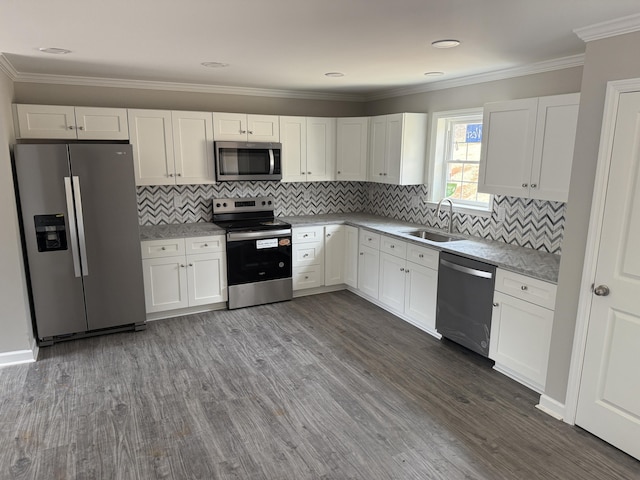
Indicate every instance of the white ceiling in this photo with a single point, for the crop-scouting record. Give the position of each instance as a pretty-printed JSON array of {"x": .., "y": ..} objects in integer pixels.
[{"x": 290, "y": 44}]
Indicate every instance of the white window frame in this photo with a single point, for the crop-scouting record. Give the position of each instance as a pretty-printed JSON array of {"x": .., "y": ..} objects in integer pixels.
[{"x": 436, "y": 163}]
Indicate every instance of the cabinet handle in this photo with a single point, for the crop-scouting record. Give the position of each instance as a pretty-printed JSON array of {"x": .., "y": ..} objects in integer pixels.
[
  {"x": 163, "y": 248},
  {"x": 402, "y": 269},
  {"x": 380, "y": 174},
  {"x": 243, "y": 131},
  {"x": 178, "y": 174},
  {"x": 171, "y": 174},
  {"x": 524, "y": 288},
  {"x": 369, "y": 239},
  {"x": 384, "y": 174},
  {"x": 250, "y": 132},
  {"x": 80, "y": 127},
  {"x": 71, "y": 127},
  {"x": 182, "y": 265},
  {"x": 392, "y": 246},
  {"x": 525, "y": 185},
  {"x": 534, "y": 185},
  {"x": 339, "y": 172},
  {"x": 496, "y": 304},
  {"x": 420, "y": 255},
  {"x": 305, "y": 255},
  {"x": 306, "y": 277},
  {"x": 191, "y": 264},
  {"x": 328, "y": 235},
  {"x": 308, "y": 173},
  {"x": 361, "y": 253},
  {"x": 406, "y": 271},
  {"x": 305, "y": 235}
]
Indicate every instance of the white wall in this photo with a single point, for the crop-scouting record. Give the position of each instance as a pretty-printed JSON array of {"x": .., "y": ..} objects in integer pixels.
[
  {"x": 15, "y": 320},
  {"x": 613, "y": 58}
]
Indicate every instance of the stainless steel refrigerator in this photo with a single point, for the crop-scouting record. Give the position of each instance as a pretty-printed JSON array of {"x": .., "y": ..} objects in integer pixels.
[{"x": 80, "y": 234}]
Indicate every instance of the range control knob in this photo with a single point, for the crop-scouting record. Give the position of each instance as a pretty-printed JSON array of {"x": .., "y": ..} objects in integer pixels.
[
  {"x": 217, "y": 205},
  {"x": 270, "y": 202},
  {"x": 224, "y": 204},
  {"x": 264, "y": 203}
]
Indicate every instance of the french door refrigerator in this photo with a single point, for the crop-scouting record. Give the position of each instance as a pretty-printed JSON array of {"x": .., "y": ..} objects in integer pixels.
[{"x": 80, "y": 234}]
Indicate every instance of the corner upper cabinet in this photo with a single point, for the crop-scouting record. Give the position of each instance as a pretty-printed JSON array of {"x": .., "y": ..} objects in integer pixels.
[
  {"x": 242, "y": 127},
  {"x": 398, "y": 148},
  {"x": 73, "y": 123},
  {"x": 527, "y": 150},
  {"x": 308, "y": 148},
  {"x": 172, "y": 148},
  {"x": 352, "y": 149}
]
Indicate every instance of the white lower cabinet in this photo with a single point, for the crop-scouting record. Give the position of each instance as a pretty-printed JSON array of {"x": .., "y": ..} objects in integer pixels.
[
  {"x": 351, "y": 256},
  {"x": 180, "y": 273},
  {"x": 308, "y": 257},
  {"x": 421, "y": 289},
  {"x": 521, "y": 328},
  {"x": 391, "y": 281},
  {"x": 334, "y": 258}
]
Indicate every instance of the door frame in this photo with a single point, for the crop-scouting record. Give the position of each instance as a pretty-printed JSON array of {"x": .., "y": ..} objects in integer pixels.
[{"x": 612, "y": 99}]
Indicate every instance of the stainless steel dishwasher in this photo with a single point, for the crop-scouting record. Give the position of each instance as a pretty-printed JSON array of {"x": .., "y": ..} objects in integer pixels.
[{"x": 465, "y": 301}]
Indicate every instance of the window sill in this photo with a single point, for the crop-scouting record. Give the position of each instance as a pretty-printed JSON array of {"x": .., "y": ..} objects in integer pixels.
[{"x": 466, "y": 209}]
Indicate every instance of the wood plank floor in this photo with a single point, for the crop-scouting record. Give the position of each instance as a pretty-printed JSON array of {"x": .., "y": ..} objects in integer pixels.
[{"x": 322, "y": 387}]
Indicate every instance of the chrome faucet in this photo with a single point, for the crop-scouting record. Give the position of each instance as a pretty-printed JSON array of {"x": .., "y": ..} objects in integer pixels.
[{"x": 450, "y": 211}]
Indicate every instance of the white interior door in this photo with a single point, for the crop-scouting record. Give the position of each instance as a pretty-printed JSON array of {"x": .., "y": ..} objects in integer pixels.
[{"x": 609, "y": 398}]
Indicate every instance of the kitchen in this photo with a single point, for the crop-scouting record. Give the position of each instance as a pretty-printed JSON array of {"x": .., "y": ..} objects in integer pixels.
[{"x": 600, "y": 65}]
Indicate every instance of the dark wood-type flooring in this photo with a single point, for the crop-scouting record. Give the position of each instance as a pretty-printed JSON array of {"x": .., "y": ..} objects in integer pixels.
[{"x": 322, "y": 387}]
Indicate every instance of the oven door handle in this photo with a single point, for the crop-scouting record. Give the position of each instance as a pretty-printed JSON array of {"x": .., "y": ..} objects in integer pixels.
[
  {"x": 239, "y": 236},
  {"x": 272, "y": 161}
]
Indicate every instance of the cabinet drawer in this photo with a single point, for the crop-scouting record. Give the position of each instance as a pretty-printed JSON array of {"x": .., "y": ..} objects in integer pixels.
[
  {"x": 308, "y": 234},
  {"x": 307, "y": 254},
  {"x": 526, "y": 288},
  {"x": 369, "y": 239},
  {"x": 163, "y": 248},
  {"x": 308, "y": 277},
  {"x": 393, "y": 246},
  {"x": 427, "y": 257},
  {"x": 205, "y": 244}
]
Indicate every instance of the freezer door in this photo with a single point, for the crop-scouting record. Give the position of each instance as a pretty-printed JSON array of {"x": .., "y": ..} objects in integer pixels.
[
  {"x": 107, "y": 214},
  {"x": 53, "y": 263}
]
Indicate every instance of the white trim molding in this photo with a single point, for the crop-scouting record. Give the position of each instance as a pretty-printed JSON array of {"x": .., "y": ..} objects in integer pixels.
[
  {"x": 551, "y": 407},
  {"x": 614, "y": 90},
  {"x": 611, "y": 28},
  {"x": 20, "y": 356}
]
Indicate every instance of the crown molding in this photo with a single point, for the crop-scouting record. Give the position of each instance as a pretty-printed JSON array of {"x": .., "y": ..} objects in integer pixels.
[
  {"x": 610, "y": 28},
  {"x": 175, "y": 86},
  {"x": 7, "y": 68},
  {"x": 540, "y": 67}
]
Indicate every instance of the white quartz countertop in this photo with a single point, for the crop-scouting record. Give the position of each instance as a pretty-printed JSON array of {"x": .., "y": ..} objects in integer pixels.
[{"x": 534, "y": 263}]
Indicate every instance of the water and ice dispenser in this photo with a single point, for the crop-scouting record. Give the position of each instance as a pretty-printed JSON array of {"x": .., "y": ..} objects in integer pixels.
[{"x": 51, "y": 232}]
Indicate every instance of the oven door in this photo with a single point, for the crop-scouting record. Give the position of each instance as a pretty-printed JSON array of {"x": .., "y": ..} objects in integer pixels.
[
  {"x": 258, "y": 256},
  {"x": 248, "y": 161}
]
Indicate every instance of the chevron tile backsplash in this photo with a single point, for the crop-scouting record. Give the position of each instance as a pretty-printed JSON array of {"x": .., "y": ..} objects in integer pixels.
[{"x": 535, "y": 224}]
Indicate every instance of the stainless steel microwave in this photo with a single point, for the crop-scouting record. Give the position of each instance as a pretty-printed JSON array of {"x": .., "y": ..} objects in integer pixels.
[{"x": 248, "y": 161}]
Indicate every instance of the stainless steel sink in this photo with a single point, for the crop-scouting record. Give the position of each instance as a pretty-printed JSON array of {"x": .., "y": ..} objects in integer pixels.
[{"x": 432, "y": 236}]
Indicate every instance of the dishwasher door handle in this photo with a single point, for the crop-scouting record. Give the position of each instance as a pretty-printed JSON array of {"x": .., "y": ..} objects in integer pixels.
[{"x": 467, "y": 270}]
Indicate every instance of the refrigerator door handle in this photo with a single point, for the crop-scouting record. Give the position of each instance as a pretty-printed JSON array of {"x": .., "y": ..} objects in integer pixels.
[
  {"x": 72, "y": 226},
  {"x": 81, "y": 237}
]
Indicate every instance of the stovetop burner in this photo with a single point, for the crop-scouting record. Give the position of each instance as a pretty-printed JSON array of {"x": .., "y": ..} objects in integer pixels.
[{"x": 246, "y": 214}]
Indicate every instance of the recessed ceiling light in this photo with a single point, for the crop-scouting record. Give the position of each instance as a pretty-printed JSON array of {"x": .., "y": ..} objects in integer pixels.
[
  {"x": 433, "y": 74},
  {"x": 54, "y": 51},
  {"x": 214, "y": 64},
  {"x": 449, "y": 43},
  {"x": 334, "y": 74}
]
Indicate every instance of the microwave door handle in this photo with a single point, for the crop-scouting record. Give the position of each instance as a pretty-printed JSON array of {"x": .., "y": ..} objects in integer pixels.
[{"x": 272, "y": 162}]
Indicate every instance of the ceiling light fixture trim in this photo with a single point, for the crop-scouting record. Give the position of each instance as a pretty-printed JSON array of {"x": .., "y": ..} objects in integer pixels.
[
  {"x": 334, "y": 74},
  {"x": 214, "y": 64},
  {"x": 54, "y": 50},
  {"x": 433, "y": 74},
  {"x": 445, "y": 43}
]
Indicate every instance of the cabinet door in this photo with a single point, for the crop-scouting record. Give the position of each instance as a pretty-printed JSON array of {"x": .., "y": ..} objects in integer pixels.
[
  {"x": 193, "y": 147},
  {"x": 293, "y": 133},
  {"x": 230, "y": 126},
  {"x": 392, "y": 279},
  {"x": 334, "y": 254},
  {"x": 507, "y": 147},
  {"x": 165, "y": 283},
  {"x": 368, "y": 270},
  {"x": 207, "y": 278},
  {"x": 45, "y": 121},
  {"x": 377, "y": 150},
  {"x": 393, "y": 149},
  {"x": 520, "y": 339},
  {"x": 421, "y": 291},
  {"x": 102, "y": 123},
  {"x": 553, "y": 150},
  {"x": 351, "y": 256},
  {"x": 321, "y": 149},
  {"x": 152, "y": 141},
  {"x": 263, "y": 128},
  {"x": 351, "y": 151}
]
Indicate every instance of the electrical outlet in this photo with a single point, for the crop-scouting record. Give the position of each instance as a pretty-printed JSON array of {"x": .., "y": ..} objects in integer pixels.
[
  {"x": 502, "y": 213},
  {"x": 415, "y": 201}
]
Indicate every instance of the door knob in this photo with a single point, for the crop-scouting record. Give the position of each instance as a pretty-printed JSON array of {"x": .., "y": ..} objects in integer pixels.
[{"x": 601, "y": 290}]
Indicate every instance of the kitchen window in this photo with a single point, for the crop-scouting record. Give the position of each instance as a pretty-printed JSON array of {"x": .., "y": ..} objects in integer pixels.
[{"x": 456, "y": 140}]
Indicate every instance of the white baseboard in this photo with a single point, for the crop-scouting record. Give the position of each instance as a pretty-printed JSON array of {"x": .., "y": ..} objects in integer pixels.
[
  {"x": 551, "y": 407},
  {"x": 19, "y": 356},
  {"x": 178, "y": 312},
  {"x": 315, "y": 291}
]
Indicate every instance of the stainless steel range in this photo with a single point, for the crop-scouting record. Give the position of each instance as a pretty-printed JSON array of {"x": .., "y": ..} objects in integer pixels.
[{"x": 258, "y": 251}]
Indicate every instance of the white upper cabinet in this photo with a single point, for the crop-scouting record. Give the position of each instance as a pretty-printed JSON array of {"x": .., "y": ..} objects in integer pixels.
[
  {"x": 243, "y": 127},
  {"x": 527, "y": 149},
  {"x": 63, "y": 122},
  {"x": 397, "y": 148},
  {"x": 193, "y": 147},
  {"x": 352, "y": 149},
  {"x": 172, "y": 147},
  {"x": 308, "y": 148}
]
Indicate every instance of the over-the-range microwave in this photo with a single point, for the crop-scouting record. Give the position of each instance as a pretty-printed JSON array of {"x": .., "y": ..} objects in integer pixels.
[{"x": 248, "y": 161}]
